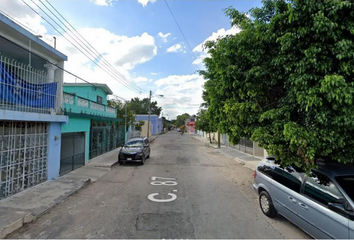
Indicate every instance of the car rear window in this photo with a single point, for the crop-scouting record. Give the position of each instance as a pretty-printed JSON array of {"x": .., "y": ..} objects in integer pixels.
[
  {"x": 137, "y": 143},
  {"x": 347, "y": 183}
]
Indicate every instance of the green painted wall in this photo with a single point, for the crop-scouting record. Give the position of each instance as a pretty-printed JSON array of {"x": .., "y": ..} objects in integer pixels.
[
  {"x": 79, "y": 125},
  {"x": 88, "y": 92}
]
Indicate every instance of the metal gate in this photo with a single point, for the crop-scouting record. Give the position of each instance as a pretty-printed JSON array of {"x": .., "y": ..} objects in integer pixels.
[
  {"x": 245, "y": 145},
  {"x": 104, "y": 139},
  {"x": 23, "y": 156},
  {"x": 72, "y": 154}
]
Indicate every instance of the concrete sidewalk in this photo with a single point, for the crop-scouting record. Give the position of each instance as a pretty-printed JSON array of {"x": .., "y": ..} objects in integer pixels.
[
  {"x": 248, "y": 160},
  {"x": 31, "y": 203},
  {"x": 26, "y": 206}
]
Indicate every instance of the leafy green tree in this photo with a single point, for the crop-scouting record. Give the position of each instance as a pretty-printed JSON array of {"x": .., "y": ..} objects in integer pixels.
[
  {"x": 166, "y": 123},
  {"x": 204, "y": 123},
  {"x": 180, "y": 120},
  {"x": 120, "y": 106},
  {"x": 138, "y": 125},
  {"x": 141, "y": 106},
  {"x": 286, "y": 80}
]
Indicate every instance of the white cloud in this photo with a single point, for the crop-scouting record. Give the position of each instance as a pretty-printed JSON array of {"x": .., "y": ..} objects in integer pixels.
[
  {"x": 123, "y": 52},
  {"x": 187, "y": 93},
  {"x": 154, "y": 73},
  {"x": 145, "y": 2},
  {"x": 20, "y": 12},
  {"x": 164, "y": 36},
  {"x": 215, "y": 35},
  {"x": 103, "y": 2},
  {"x": 178, "y": 47},
  {"x": 140, "y": 79}
]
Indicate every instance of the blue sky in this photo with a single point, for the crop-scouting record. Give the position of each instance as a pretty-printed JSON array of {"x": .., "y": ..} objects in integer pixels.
[{"x": 128, "y": 34}]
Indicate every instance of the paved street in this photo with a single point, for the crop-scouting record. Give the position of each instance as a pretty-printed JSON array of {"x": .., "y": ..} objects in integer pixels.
[{"x": 214, "y": 199}]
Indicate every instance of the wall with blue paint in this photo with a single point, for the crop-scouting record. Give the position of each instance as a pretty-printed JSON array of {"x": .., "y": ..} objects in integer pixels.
[
  {"x": 54, "y": 143},
  {"x": 79, "y": 125},
  {"x": 155, "y": 121}
]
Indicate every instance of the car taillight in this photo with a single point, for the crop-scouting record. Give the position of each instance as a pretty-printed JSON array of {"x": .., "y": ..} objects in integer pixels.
[{"x": 254, "y": 174}]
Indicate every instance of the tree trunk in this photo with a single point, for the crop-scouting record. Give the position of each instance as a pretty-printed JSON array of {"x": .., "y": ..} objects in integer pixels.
[{"x": 210, "y": 137}]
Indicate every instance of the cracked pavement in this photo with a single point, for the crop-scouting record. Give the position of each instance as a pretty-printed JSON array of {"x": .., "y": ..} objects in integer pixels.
[{"x": 214, "y": 200}]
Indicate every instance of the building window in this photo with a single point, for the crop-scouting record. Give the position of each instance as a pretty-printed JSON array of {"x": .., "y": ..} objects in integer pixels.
[{"x": 99, "y": 99}]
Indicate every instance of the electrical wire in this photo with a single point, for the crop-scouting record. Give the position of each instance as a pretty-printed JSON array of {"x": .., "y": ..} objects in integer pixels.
[
  {"x": 180, "y": 29},
  {"x": 37, "y": 55},
  {"x": 131, "y": 88},
  {"x": 6, "y": 14},
  {"x": 87, "y": 43}
]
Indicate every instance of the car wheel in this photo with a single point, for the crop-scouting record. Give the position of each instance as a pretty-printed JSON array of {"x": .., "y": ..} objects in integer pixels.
[
  {"x": 120, "y": 162},
  {"x": 142, "y": 160},
  {"x": 266, "y": 204},
  {"x": 148, "y": 156}
]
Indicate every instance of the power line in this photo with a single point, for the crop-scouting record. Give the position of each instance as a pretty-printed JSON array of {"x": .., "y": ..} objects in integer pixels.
[
  {"x": 185, "y": 39},
  {"x": 54, "y": 64},
  {"x": 131, "y": 88},
  {"x": 76, "y": 42},
  {"x": 6, "y": 14},
  {"x": 91, "y": 47}
]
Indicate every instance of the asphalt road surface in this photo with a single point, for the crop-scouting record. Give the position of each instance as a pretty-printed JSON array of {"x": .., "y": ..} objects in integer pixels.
[{"x": 204, "y": 195}]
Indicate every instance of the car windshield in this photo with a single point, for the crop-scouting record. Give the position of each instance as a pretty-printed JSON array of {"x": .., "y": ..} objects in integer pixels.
[
  {"x": 347, "y": 183},
  {"x": 134, "y": 144}
]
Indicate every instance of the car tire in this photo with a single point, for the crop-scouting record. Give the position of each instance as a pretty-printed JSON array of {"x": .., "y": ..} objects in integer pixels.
[
  {"x": 266, "y": 204},
  {"x": 142, "y": 161},
  {"x": 120, "y": 163},
  {"x": 148, "y": 156}
]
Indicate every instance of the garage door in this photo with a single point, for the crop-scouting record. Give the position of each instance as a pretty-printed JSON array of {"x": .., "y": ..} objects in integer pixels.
[{"x": 72, "y": 152}]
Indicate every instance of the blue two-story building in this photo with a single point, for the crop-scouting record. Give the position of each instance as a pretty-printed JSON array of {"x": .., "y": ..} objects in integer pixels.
[{"x": 31, "y": 78}]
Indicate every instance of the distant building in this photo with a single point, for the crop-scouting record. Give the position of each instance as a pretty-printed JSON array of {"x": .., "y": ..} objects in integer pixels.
[
  {"x": 190, "y": 123},
  {"x": 156, "y": 123}
]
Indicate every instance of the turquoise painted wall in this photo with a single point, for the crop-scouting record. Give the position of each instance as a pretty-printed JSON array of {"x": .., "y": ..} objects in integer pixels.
[
  {"x": 88, "y": 92},
  {"x": 79, "y": 125}
]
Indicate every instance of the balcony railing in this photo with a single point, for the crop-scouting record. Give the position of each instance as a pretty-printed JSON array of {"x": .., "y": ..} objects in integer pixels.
[
  {"x": 73, "y": 103},
  {"x": 25, "y": 89}
]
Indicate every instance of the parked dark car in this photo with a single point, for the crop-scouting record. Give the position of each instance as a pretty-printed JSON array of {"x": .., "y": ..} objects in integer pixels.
[
  {"x": 135, "y": 150},
  {"x": 321, "y": 203}
]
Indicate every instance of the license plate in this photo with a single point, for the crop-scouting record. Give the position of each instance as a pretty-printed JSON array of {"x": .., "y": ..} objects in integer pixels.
[{"x": 129, "y": 159}]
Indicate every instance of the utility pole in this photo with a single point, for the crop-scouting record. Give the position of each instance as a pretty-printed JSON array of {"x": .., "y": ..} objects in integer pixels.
[
  {"x": 148, "y": 126},
  {"x": 162, "y": 130},
  {"x": 218, "y": 139},
  {"x": 125, "y": 125}
]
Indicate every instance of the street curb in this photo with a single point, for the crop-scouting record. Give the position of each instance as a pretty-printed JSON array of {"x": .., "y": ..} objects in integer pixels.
[
  {"x": 238, "y": 160},
  {"x": 30, "y": 217},
  {"x": 154, "y": 139}
]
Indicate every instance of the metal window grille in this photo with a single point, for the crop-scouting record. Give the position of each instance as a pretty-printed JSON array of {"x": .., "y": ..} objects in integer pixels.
[
  {"x": 23, "y": 156},
  {"x": 24, "y": 88}
]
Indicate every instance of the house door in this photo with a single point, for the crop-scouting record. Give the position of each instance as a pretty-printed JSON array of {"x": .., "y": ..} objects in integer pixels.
[{"x": 72, "y": 154}]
